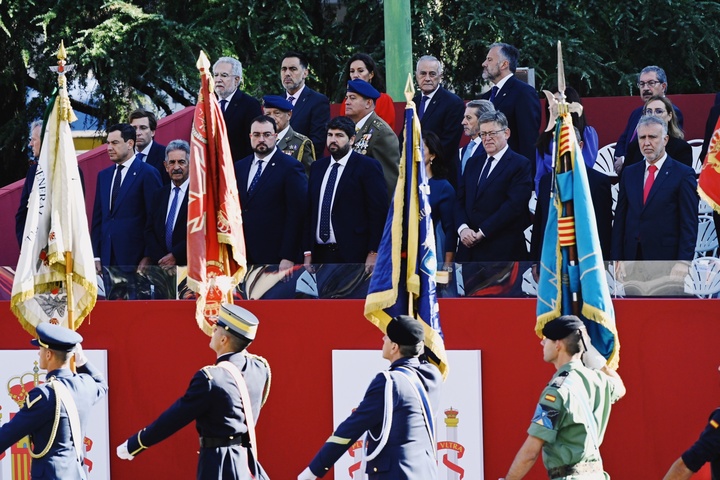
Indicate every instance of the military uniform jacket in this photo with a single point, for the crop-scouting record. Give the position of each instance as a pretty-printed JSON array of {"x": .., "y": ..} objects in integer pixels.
[
  {"x": 299, "y": 147},
  {"x": 36, "y": 418},
  {"x": 213, "y": 401},
  {"x": 377, "y": 140},
  {"x": 409, "y": 454},
  {"x": 572, "y": 415},
  {"x": 707, "y": 448}
]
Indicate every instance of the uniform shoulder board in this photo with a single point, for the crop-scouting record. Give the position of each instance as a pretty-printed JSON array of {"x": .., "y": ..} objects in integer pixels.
[
  {"x": 559, "y": 380},
  {"x": 379, "y": 124},
  {"x": 206, "y": 371},
  {"x": 301, "y": 137},
  {"x": 261, "y": 359}
]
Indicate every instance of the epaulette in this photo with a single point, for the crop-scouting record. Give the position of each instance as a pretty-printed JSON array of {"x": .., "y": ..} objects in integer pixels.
[
  {"x": 378, "y": 123},
  {"x": 559, "y": 380},
  {"x": 206, "y": 371},
  {"x": 266, "y": 388}
]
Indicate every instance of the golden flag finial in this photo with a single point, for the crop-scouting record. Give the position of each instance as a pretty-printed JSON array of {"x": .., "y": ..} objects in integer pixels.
[
  {"x": 409, "y": 89},
  {"x": 66, "y": 111}
]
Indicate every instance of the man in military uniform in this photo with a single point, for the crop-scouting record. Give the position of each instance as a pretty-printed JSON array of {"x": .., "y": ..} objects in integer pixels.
[
  {"x": 706, "y": 449},
  {"x": 406, "y": 449},
  {"x": 55, "y": 413},
  {"x": 289, "y": 141},
  {"x": 373, "y": 137},
  {"x": 224, "y": 399},
  {"x": 574, "y": 409}
]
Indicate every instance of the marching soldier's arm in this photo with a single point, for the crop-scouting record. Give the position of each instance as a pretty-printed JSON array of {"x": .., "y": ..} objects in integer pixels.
[
  {"x": 678, "y": 471},
  {"x": 37, "y": 411},
  {"x": 525, "y": 458}
]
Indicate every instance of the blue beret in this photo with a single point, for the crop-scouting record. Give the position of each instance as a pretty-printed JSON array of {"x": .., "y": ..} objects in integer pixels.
[
  {"x": 363, "y": 88},
  {"x": 56, "y": 337},
  {"x": 405, "y": 330},
  {"x": 562, "y": 327},
  {"x": 238, "y": 321},
  {"x": 276, "y": 101}
]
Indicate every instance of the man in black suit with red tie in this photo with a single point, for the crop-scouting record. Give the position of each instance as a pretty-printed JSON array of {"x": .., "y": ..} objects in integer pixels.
[
  {"x": 239, "y": 109},
  {"x": 148, "y": 150}
]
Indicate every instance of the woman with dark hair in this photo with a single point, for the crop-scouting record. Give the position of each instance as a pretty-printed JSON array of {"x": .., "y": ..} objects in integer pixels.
[
  {"x": 544, "y": 145},
  {"x": 362, "y": 66},
  {"x": 442, "y": 198},
  {"x": 677, "y": 148}
]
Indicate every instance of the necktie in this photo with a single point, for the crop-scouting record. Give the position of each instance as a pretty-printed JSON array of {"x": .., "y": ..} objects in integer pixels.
[
  {"x": 116, "y": 185},
  {"x": 468, "y": 153},
  {"x": 170, "y": 222},
  {"x": 140, "y": 156},
  {"x": 256, "y": 178},
  {"x": 423, "y": 101},
  {"x": 223, "y": 104},
  {"x": 327, "y": 203},
  {"x": 493, "y": 93},
  {"x": 649, "y": 182},
  {"x": 485, "y": 172},
  {"x": 291, "y": 99}
]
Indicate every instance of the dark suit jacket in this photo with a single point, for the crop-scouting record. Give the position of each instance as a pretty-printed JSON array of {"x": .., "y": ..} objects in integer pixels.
[
  {"x": 520, "y": 104},
  {"x": 601, "y": 195},
  {"x": 155, "y": 232},
  {"x": 359, "y": 209},
  {"x": 377, "y": 140},
  {"x": 156, "y": 158},
  {"x": 118, "y": 235},
  {"x": 239, "y": 114},
  {"x": 443, "y": 115},
  {"x": 310, "y": 116},
  {"x": 499, "y": 208},
  {"x": 627, "y": 136},
  {"x": 666, "y": 226},
  {"x": 273, "y": 216},
  {"x": 461, "y": 152}
]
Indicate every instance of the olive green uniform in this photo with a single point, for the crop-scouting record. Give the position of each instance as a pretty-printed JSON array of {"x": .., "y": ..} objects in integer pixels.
[
  {"x": 299, "y": 147},
  {"x": 571, "y": 418}
]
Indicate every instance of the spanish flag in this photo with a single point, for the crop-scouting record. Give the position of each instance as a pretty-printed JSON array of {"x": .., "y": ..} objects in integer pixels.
[{"x": 709, "y": 181}]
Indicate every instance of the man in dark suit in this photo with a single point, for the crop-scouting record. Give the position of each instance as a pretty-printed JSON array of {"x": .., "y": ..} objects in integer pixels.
[
  {"x": 492, "y": 202},
  {"x": 439, "y": 110},
  {"x": 373, "y": 137},
  {"x": 513, "y": 97},
  {"x": 401, "y": 444},
  {"x": 311, "y": 110},
  {"x": 656, "y": 212},
  {"x": 471, "y": 128},
  {"x": 224, "y": 400},
  {"x": 166, "y": 232},
  {"x": 348, "y": 202},
  {"x": 238, "y": 107},
  {"x": 46, "y": 414},
  {"x": 34, "y": 144},
  {"x": 123, "y": 198},
  {"x": 652, "y": 81},
  {"x": 273, "y": 198},
  {"x": 148, "y": 150}
]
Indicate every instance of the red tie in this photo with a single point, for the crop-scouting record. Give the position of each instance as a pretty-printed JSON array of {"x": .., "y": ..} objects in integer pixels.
[{"x": 649, "y": 182}]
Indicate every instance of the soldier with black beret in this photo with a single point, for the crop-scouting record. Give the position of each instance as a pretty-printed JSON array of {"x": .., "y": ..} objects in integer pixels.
[
  {"x": 289, "y": 141},
  {"x": 574, "y": 409},
  {"x": 55, "y": 413},
  {"x": 405, "y": 450}
]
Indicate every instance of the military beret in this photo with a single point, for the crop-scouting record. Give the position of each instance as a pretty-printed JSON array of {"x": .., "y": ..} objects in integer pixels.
[
  {"x": 56, "y": 337},
  {"x": 238, "y": 321},
  {"x": 363, "y": 88},
  {"x": 276, "y": 101},
  {"x": 405, "y": 330},
  {"x": 561, "y": 327}
]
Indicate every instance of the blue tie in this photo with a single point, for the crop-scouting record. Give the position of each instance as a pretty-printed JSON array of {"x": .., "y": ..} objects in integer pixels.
[
  {"x": 140, "y": 156},
  {"x": 170, "y": 222},
  {"x": 493, "y": 93},
  {"x": 486, "y": 172},
  {"x": 116, "y": 185},
  {"x": 223, "y": 103},
  {"x": 327, "y": 203},
  {"x": 468, "y": 153},
  {"x": 256, "y": 178},
  {"x": 423, "y": 101}
]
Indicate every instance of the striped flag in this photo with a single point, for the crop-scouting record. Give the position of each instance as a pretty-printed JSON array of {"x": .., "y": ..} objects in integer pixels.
[
  {"x": 56, "y": 252},
  {"x": 403, "y": 282},
  {"x": 572, "y": 273},
  {"x": 709, "y": 181},
  {"x": 215, "y": 240}
]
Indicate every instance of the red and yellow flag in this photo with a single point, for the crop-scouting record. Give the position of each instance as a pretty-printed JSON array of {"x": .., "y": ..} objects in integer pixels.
[
  {"x": 215, "y": 241},
  {"x": 709, "y": 182}
]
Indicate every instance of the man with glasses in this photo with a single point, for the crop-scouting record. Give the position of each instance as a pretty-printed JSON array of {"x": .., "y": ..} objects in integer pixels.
[
  {"x": 238, "y": 107},
  {"x": 651, "y": 82},
  {"x": 492, "y": 200},
  {"x": 273, "y": 196}
]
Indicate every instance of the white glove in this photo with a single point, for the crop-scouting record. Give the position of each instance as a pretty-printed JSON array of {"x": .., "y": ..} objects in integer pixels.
[
  {"x": 592, "y": 358},
  {"x": 123, "y": 453},
  {"x": 306, "y": 475},
  {"x": 80, "y": 357}
]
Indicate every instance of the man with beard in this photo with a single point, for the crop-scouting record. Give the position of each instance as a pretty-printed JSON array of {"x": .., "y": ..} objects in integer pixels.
[
  {"x": 348, "y": 202},
  {"x": 273, "y": 196},
  {"x": 514, "y": 98}
]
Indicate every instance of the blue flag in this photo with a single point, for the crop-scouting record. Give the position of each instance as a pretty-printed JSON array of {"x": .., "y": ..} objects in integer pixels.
[
  {"x": 403, "y": 282},
  {"x": 572, "y": 272}
]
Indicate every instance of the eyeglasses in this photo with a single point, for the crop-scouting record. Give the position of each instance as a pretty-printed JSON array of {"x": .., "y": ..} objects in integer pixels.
[
  {"x": 650, "y": 84},
  {"x": 490, "y": 134},
  {"x": 657, "y": 111},
  {"x": 265, "y": 135}
]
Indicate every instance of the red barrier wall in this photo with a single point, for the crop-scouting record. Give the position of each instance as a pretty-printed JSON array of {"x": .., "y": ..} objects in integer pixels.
[{"x": 669, "y": 360}]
